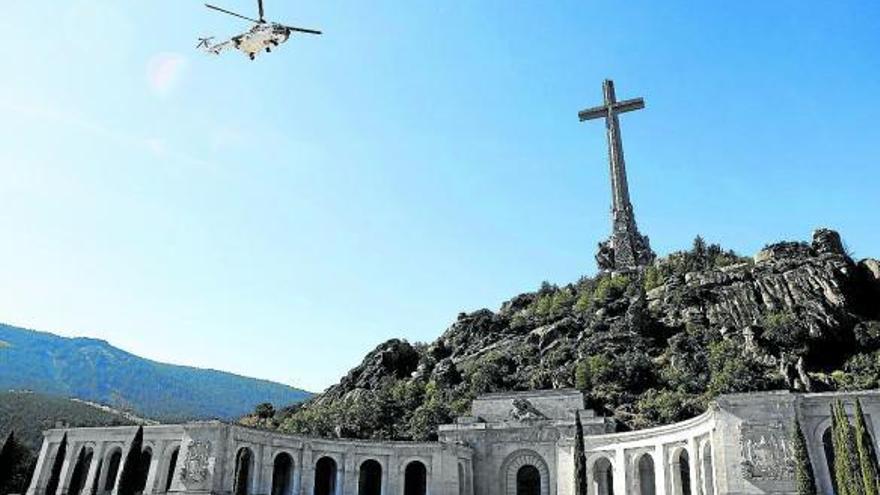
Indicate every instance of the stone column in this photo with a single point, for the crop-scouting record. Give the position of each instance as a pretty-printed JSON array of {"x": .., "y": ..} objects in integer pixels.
[
  {"x": 694, "y": 471},
  {"x": 660, "y": 470},
  {"x": 39, "y": 477},
  {"x": 620, "y": 478},
  {"x": 298, "y": 467},
  {"x": 67, "y": 469},
  {"x": 349, "y": 475},
  {"x": 93, "y": 473},
  {"x": 267, "y": 470},
  {"x": 153, "y": 473}
]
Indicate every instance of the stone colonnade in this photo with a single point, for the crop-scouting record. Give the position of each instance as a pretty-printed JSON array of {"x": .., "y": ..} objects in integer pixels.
[
  {"x": 259, "y": 463},
  {"x": 94, "y": 458},
  {"x": 225, "y": 459},
  {"x": 668, "y": 460}
]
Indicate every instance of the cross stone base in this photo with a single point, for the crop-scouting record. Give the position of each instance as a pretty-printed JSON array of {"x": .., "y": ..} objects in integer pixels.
[{"x": 626, "y": 248}]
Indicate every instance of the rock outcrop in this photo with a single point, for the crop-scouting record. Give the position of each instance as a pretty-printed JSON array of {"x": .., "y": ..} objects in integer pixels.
[{"x": 650, "y": 347}]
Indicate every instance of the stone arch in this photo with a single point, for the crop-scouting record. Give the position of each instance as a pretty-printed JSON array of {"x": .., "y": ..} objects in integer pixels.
[
  {"x": 112, "y": 463},
  {"x": 244, "y": 468},
  {"x": 680, "y": 470},
  {"x": 77, "y": 482},
  {"x": 644, "y": 474},
  {"x": 515, "y": 462},
  {"x": 415, "y": 478},
  {"x": 172, "y": 457},
  {"x": 707, "y": 468},
  {"x": 370, "y": 477},
  {"x": 601, "y": 474},
  {"x": 282, "y": 474},
  {"x": 326, "y": 470}
]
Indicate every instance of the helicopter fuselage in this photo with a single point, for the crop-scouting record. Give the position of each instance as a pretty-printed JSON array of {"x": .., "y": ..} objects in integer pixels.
[{"x": 261, "y": 37}]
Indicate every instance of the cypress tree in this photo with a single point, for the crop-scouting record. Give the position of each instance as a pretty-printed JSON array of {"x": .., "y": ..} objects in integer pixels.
[
  {"x": 867, "y": 456},
  {"x": 804, "y": 479},
  {"x": 28, "y": 477},
  {"x": 55, "y": 475},
  {"x": 131, "y": 468},
  {"x": 6, "y": 461},
  {"x": 580, "y": 457},
  {"x": 841, "y": 469},
  {"x": 846, "y": 460}
]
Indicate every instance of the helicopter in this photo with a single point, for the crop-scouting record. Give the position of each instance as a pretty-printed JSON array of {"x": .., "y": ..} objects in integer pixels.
[{"x": 262, "y": 36}]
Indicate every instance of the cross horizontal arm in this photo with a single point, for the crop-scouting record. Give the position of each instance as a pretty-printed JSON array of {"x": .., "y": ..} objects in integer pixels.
[
  {"x": 593, "y": 113},
  {"x": 628, "y": 105}
]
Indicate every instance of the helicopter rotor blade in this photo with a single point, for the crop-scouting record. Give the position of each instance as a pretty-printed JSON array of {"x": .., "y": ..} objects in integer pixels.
[
  {"x": 260, "y": 4},
  {"x": 303, "y": 30},
  {"x": 231, "y": 13}
]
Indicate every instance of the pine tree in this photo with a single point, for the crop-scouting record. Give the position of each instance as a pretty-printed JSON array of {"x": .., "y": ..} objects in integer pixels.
[
  {"x": 867, "y": 456},
  {"x": 128, "y": 479},
  {"x": 55, "y": 475},
  {"x": 580, "y": 457},
  {"x": 804, "y": 479}
]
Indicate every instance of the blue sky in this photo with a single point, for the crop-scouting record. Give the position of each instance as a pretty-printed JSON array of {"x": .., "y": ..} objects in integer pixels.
[{"x": 280, "y": 218}]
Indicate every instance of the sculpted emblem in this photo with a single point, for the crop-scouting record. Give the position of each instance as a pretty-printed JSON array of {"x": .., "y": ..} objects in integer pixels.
[
  {"x": 523, "y": 410},
  {"x": 766, "y": 452},
  {"x": 195, "y": 467}
]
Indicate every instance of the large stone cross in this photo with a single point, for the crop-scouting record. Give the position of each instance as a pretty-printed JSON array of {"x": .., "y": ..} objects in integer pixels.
[
  {"x": 609, "y": 111},
  {"x": 626, "y": 248}
]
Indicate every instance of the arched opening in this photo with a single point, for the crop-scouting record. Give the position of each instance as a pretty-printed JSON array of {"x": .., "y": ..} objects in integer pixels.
[
  {"x": 684, "y": 472},
  {"x": 646, "y": 475},
  {"x": 603, "y": 477},
  {"x": 172, "y": 467},
  {"x": 462, "y": 488},
  {"x": 828, "y": 447},
  {"x": 143, "y": 470},
  {"x": 528, "y": 480},
  {"x": 113, "y": 463},
  {"x": 80, "y": 471},
  {"x": 707, "y": 471},
  {"x": 282, "y": 474},
  {"x": 325, "y": 476},
  {"x": 243, "y": 463},
  {"x": 415, "y": 479},
  {"x": 370, "y": 478}
]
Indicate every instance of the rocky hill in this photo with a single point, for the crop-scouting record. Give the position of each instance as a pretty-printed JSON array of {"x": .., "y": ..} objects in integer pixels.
[
  {"x": 648, "y": 347},
  {"x": 94, "y": 370}
]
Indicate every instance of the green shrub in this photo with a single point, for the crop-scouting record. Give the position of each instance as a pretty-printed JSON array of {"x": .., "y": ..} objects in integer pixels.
[
  {"x": 732, "y": 370},
  {"x": 653, "y": 278}
]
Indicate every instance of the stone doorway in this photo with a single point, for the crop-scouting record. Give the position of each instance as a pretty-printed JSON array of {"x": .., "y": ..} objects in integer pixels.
[{"x": 528, "y": 481}]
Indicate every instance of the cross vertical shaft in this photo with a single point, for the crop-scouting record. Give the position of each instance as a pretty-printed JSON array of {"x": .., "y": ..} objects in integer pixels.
[
  {"x": 626, "y": 248},
  {"x": 619, "y": 186}
]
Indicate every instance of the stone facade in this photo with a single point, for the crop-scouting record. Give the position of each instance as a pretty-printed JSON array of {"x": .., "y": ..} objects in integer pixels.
[{"x": 512, "y": 444}]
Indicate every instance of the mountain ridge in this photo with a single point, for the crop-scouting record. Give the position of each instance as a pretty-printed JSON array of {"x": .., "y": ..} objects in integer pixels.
[{"x": 94, "y": 370}]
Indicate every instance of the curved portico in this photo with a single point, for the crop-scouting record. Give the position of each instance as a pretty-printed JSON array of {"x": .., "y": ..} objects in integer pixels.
[{"x": 512, "y": 444}]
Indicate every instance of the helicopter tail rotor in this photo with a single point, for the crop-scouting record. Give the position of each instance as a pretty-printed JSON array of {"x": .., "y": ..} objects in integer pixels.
[{"x": 205, "y": 43}]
